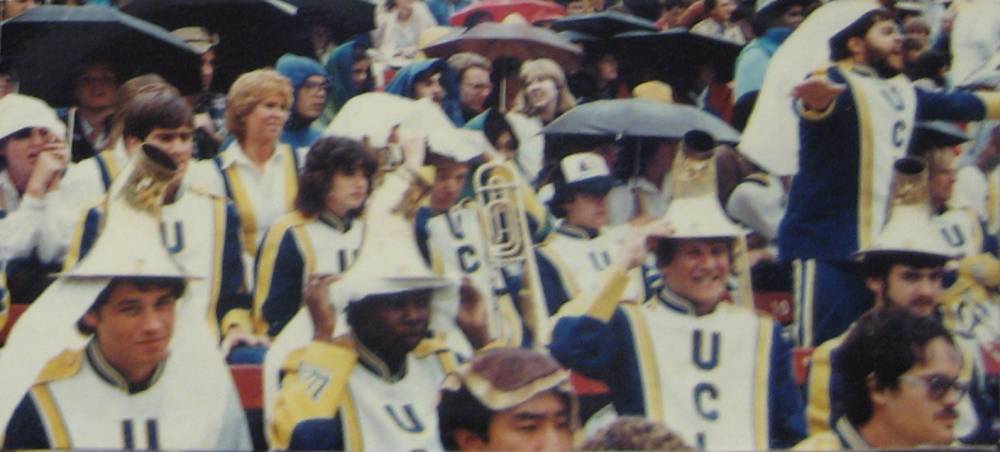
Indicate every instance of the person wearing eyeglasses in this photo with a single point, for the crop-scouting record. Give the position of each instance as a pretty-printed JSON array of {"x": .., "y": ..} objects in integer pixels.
[
  {"x": 904, "y": 269},
  {"x": 474, "y": 86},
  {"x": 309, "y": 92},
  {"x": 901, "y": 380}
]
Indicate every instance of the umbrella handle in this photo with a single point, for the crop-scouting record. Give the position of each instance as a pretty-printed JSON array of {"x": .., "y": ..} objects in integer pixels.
[
  {"x": 70, "y": 125},
  {"x": 503, "y": 95}
]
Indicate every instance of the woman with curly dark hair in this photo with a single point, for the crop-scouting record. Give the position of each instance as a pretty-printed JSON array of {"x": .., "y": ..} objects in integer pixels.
[{"x": 322, "y": 235}]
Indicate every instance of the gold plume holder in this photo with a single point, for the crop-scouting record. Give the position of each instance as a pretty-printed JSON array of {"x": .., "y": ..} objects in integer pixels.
[
  {"x": 908, "y": 226},
  {"x": 130, "y": 241}
]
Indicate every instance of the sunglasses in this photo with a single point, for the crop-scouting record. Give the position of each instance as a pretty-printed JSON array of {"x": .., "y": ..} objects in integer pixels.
[{"x": 938, "y": 386}]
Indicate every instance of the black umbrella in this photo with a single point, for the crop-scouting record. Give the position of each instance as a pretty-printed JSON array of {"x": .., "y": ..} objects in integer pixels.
[
  {"x": 604, "y": 24},
  {"x": 344, "y": 18},
  {"x": 677, "y": 53},
  {"x": 494, "y": 40},
  {"x": 638, "y": 118},
  {"x": 48, "y": 44},
  {"x": 216, "y": 15},
  {"x": 252, "y": 33}
]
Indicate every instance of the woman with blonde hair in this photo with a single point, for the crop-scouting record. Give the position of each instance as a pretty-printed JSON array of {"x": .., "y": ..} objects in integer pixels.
[
  {"x": 257, "y": 173},
  {"x": 544, "y": 96}
]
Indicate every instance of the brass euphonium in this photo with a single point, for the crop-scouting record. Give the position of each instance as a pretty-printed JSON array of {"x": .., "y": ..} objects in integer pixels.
[
  {"x": 133, "y": 210},
  {"x": 498, "y": 188}
]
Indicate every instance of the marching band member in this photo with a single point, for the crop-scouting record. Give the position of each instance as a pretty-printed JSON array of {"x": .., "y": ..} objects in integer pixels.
[
  {"x": 716, "y": 372},
  {"x": 145, "y": 355},
  {"x": 201, "y": 231}
]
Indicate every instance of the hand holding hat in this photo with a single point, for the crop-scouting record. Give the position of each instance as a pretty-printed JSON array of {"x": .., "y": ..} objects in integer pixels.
[{"x": 641, "y": 240}]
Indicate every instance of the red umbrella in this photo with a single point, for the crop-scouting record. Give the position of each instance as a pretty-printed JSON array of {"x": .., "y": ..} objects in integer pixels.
[{"x": 531, "y": 10}]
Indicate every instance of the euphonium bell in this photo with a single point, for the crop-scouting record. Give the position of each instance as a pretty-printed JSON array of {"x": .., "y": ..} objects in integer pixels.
[
  {"x": 133, "y": 210},
  {"x": 694, "y": 209},
  {"x": 909, "y": 229}
]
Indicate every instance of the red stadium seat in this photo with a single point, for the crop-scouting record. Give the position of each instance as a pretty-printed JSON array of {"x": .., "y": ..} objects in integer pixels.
[
  {"x": 991, "y": 359},
  {"x": 778, "y": 304},
  {"x": 248, "y": 378},
  {"x": 800, "y": 363},
  {"x": 585, "y": 386},
  {"x": 16, "y": 310}
]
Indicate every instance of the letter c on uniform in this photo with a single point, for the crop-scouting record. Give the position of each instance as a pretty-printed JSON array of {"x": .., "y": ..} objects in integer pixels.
[{"x": 706, "y": 389}]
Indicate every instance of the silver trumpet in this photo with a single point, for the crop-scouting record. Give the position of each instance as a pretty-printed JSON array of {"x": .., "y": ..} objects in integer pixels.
[{"x": 498, "y": 188}]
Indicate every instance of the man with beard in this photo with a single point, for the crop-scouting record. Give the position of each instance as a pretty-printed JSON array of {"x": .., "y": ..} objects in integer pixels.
[
  {"x": 901, "y": 378},
  {"x": 857, "y": 117},
  {"x": 904, "y": 270}
]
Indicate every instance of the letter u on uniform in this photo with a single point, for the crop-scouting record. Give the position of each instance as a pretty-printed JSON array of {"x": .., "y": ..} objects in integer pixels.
[
  {"x": 413, "y": 425},
  {"x": 953, "y": 235},
  {"x": 697, "y": 350},
  {"x": 174, "y": 242}
]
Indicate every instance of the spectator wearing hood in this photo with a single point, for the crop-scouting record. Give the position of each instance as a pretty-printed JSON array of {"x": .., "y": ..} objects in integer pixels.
[
  {"x": 350, "y": 72},
  {"x": 472, "y": 74},
  {"x": 780, "y": 18},
  {"x": 309, "y": 90},
  {"x": 430, "y": 79}
]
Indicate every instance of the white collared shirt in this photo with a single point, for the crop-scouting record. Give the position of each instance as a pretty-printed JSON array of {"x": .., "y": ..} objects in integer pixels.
[{"x": 270, "y": 191}]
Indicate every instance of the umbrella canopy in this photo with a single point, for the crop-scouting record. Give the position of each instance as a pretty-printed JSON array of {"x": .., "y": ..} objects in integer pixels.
[
  {"x": 344, "y": 18},
  {"x": 215, "y": 15},
  {"x": 494, "y": 40},
  {"x": 678, "y": 53},
  {"x": 639, "y": 118},
  {"x": 604, "y": 24},
  {"x": 531, "y": 10},
  {"x": 252, "y": 33},
  {"x": 47, "y": 46}
]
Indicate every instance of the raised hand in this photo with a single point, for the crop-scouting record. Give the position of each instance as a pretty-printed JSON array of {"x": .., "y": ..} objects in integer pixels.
[
  {"x": 817, "y": 93},
  {"x": 316, "y": 297}
]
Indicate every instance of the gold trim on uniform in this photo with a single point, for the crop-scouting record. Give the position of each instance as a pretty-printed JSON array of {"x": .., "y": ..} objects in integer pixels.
[
  {"x": 352, "y": 428},
  {"x": 52, "y": 417},
  {"x": 867, "y": 170},
  {"x": 820, "y": 371},
  {"x": 219, "y": 215},
  {"x": 648, "y": 369},
  {"x": 762, "y": 373},
  {"x": 267, "y": 260}
]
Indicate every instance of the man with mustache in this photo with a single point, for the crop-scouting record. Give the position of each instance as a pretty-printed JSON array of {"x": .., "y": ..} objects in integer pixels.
[
  {"x": 901, "y": 379},
  {"x": 904, "y": 270}
]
